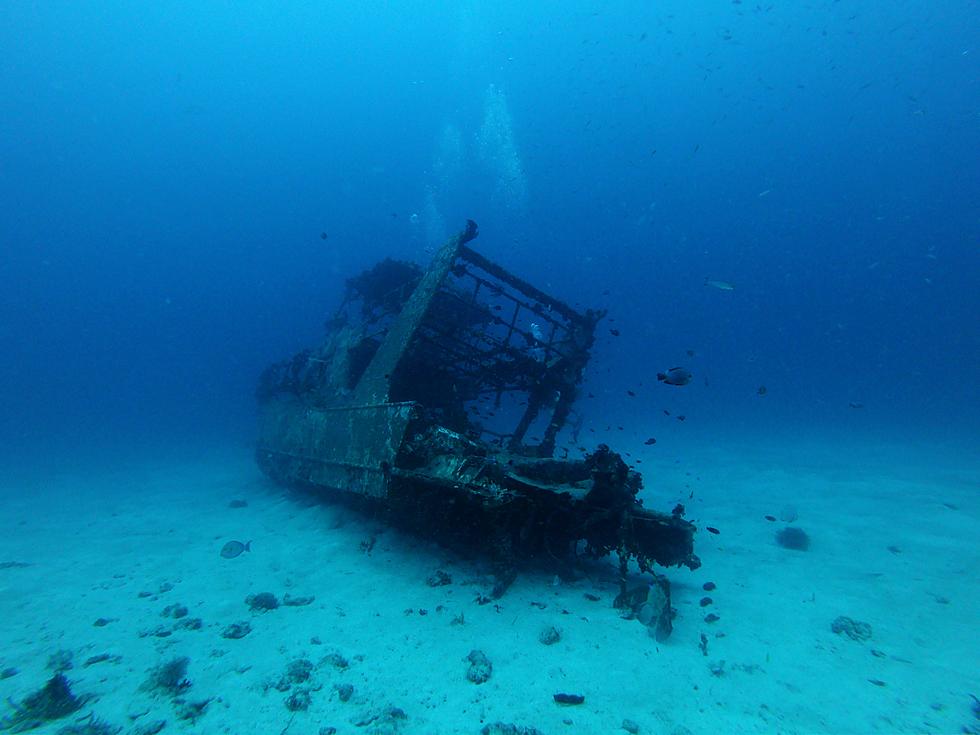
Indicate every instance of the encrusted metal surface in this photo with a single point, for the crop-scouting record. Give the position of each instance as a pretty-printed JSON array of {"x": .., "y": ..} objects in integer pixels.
[
  {"x": 350, "y": 448},
  {"x": 440, "y": 395}
]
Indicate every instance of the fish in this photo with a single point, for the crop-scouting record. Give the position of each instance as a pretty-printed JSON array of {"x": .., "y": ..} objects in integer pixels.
[
  {"x": 235, "y": 548},
  {"x": 675, "y": 376},
  {"x": 762, "y": 390},
  {"x": 650, "y": 441},
  {"x": 720, "y": 285}
]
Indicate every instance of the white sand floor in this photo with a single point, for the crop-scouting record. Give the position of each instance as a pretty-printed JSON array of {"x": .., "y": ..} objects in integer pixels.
[{"x": 95, "y": 538}]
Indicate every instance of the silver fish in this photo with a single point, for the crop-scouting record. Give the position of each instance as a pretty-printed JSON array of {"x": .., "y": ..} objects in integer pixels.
[{"x": 720, "y": 285}]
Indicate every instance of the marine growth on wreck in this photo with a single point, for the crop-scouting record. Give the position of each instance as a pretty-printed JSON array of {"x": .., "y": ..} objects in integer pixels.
[{"x": 437, "y": 398}]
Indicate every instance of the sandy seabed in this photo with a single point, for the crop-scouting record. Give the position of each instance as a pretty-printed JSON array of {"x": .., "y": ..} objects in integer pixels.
[{"x": 111, "y": 571}]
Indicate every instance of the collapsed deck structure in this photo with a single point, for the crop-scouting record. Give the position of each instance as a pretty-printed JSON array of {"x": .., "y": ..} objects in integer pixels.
[{"x": 439, "y": 397}]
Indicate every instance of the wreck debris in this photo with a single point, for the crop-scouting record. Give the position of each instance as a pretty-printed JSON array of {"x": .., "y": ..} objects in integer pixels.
[
  {"x": 480, "y": 669},
  {"x": 549, "y": 636},
  {"x": 262, "y": 602},
  {"x": 237, "y": 630},
  {"x": 650, "y": 604},
  {"x": 856, "y": 630},
  {"x": 439, "y": 397},
  {"x": 169, "y": 678},
  {"x": 53, "y": 701},
  {"x": 793, "y": 537}
]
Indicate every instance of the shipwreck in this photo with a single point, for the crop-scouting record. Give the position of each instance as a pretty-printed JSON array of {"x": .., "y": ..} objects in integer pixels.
[{"x": 439, "y": 399}]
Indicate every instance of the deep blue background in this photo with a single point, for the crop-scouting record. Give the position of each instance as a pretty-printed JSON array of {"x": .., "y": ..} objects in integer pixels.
[{"x": 166, "y": 171}]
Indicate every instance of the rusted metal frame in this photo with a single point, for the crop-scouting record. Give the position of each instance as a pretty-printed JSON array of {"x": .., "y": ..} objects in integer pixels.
[
  {"x": 503, "y": 293},
  {"x": 530, "y": 414},
  {"x": 479, "y": 376},
  {"x": 482, "y": 374},
  {"x": 490, "y": 385},
  {"x": 552, "y": 346},
  {"x": 521, "y": 285},
  {"x": 549, "y": 346},
  {"x": 512, "y": 327},
  {"x": 558, "y": 419},
  {"x": 476, "y": 291},
  {"x": 468, "y": 356},
  {"x": 458, "y": 358},
  {"x": 501, "y": 347},
  {"x": 563, "y": 408},
  {"x": 556, "y": 325},
  {"x": 473, "y": 305},
  {"x": 507, "y": 295}
]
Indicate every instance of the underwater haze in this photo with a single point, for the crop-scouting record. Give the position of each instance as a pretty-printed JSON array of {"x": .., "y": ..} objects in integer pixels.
[
  {"x": 781, "y": 197},
  {"x": 167, "y": 172}
]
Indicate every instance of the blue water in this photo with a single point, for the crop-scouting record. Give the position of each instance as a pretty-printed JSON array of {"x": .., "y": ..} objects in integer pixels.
[
  {"x": 184, "y": 189},
  {"x": 167, "y": 172}
]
